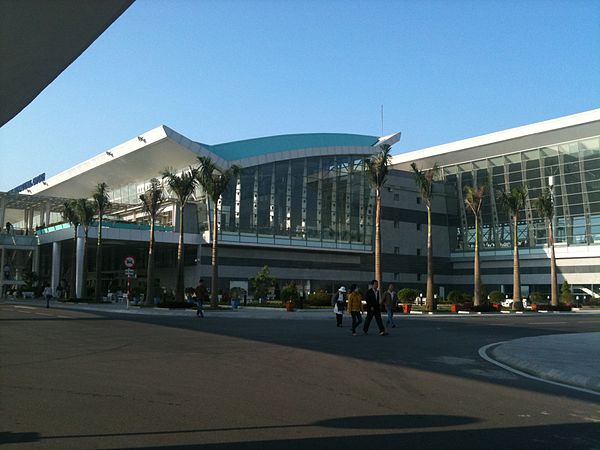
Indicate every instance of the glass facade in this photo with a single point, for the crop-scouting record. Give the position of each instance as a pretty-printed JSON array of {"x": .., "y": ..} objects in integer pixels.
[
  {"x": 323, "y": 201},
  {"x": 575, "y": 170}
]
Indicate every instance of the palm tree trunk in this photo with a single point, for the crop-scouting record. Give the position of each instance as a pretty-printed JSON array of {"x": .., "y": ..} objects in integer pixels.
[
  {"x": 553, "y": 278},
  {"x": 430, "y": 302},
  {"x": 180, "y": 256},
  {"x": 516, "y": 275},
  {"x": 477, "y": 275},
  {"x": 84, "y": 272},
  {"x": 150, "y": 268},
  {"x": 214, "y": 285},
  {"x": 72, "y": 288},
  {"x": 98, "y": 290},
  {"x": 378, "y": 238}
]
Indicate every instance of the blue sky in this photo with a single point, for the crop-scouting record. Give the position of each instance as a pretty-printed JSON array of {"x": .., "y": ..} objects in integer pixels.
[{"x": 219, "y": 71}]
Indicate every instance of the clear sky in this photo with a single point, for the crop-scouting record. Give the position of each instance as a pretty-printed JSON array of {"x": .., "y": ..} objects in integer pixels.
[{"x": 219, "y": 71}]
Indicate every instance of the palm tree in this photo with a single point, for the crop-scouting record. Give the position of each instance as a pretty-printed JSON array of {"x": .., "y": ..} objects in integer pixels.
[
  {"x": 182, "y": 186},
  {"x": 474, "y": 200},
  {"x": 378, "y": 168},
  {"x": 152, "y": 201},
  {"x": 545, "y": 207},
  {"x": 424, "y": 180},
  {"x": 70, "y": 215},
  {"x": 512, "y": 202},
  {"x": 214, "y": 182},
  {"x": 86, "y": 212},
  {"x": 101, "y": 203}
]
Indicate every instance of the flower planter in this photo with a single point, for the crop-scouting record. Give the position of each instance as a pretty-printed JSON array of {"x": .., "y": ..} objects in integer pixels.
[
  {"x": 534, "y": 307},
  {"x": 454, "y": 307},
  {"x": 496, "y": 307},
  {"x": 406, "y": 308},
  {"x": 289, "y": 306}
]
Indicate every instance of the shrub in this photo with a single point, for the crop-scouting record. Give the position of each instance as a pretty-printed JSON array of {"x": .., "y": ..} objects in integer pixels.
[
  {"x": 496, "y": 297},
  {"x": 319, "y": 298},
  {"x": 536, "y": 297},
  {"x": 565, "y": 293},
  {"x": 289, "y": 293},
  {"x": 455, "y": 297},
  {"x": 407, "y": 295}
]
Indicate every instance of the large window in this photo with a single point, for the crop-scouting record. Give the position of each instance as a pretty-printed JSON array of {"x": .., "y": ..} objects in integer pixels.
[
  {"x": 575, "y": 171},
  {"x": 318, "y": 201}
]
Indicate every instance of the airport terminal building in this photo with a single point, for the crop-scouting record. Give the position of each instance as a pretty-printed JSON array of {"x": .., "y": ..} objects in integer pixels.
[{"x": 302, "y": 205}]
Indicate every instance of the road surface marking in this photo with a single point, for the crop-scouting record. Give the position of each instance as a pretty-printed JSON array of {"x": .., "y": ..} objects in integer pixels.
[
  {"x": 544, "y": 323},
  {"x": 484, "y": 355},
  {"x": 25, "y": 307}
]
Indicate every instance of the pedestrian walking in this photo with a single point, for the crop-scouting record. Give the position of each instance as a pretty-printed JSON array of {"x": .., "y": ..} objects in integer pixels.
[
  {"x": 389, "y": 302},
  {"x": 47, "y": 294},
  {"x": 339, "y": 304},
  {"x": 374, "y": 309},
  {"x": 201, "y": 296},
  {"x": 59, "y": 291},
  {"x": 355, "y": 307}
]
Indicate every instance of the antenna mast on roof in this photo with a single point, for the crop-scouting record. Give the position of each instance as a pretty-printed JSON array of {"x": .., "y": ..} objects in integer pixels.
[{"x": 382, "y": 120}]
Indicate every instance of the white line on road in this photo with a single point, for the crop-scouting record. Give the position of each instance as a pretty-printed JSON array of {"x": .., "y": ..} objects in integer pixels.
[
  {"x": 484, "y": 355},
  {"x": 25, "y": 307},
  {"x": 544, "y": 323}
]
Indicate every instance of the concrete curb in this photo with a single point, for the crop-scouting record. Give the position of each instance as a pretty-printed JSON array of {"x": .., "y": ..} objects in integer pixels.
[{"x": 572, "y": 359}]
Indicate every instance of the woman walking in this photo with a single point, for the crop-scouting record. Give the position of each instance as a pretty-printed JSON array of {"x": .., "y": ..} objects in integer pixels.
[
  {"x": 355, "y": 307},
  {"x": 339, "y": 304},
  {"x": 47, "y": 294}
]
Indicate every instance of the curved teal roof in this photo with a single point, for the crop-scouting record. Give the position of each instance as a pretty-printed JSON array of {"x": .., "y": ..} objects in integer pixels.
[{"x": 272, "y": 144}]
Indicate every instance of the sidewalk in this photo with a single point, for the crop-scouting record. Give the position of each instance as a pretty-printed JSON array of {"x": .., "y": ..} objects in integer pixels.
[{"x": 572, "y": 359}]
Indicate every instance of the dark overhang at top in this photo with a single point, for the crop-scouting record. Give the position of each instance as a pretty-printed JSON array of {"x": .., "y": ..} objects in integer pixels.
[{"x": 41, "y": 38}]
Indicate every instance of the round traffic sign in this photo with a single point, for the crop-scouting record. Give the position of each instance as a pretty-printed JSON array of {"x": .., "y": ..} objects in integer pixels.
[{"x": 129, "y": 262}]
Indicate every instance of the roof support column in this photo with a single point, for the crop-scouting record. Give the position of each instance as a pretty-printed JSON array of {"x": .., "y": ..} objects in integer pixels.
[
  {"x": 288, "y": 200},
  {"x": 334, "y": 223},
  {"x": 584, "y": 196},
  {"x": 46, "y": 221},
  {"x": 272, "y": 201},
  {"x": 304, "y": 181},
  {"x": 55, "y": 277},
  {"x": 255, "y": 202},
  {"x": 238, "y": 199},
  {"x": 320, "y": 199},
  {"x": 79, "y": 265}
]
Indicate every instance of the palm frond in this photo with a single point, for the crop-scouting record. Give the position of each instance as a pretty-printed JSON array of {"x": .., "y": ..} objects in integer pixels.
[
  {"x": 153, "y": 198},
  {"x": 424, "y": 180},
  {"x": 182, "y": 185},
  {"x": 378, "y": 166},
  {"x": 214, "y": 180},
  {"x": 101, "y": 197}
]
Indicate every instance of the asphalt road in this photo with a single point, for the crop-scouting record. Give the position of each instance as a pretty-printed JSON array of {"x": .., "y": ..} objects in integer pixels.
[{"x": 71, "y": 379}]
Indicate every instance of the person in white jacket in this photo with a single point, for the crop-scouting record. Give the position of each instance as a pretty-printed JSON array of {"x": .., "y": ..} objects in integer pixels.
[{"x": 47, "y": 294}]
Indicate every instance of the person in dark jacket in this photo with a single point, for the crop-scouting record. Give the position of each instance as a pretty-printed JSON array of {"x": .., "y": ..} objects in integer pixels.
[{"x": 374, "y": 308}]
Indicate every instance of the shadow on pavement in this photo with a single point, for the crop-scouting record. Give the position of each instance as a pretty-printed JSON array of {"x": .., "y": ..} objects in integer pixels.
[{"x": 563, "y": 436}]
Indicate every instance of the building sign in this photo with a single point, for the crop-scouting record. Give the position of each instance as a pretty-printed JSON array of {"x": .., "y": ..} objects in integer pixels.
[{"x": 41, "y": 177}]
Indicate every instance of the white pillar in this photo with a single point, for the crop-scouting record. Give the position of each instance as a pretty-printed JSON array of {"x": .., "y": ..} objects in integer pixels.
[
  {"x": 198, "y": 263},
  {"x": 30, "y": 221},
  {"x": 56, "y": 248},
  {"x": 79, "y": 267},
  {"x": 46, "y": 214},
  {"x": 35, "y": 260}
]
